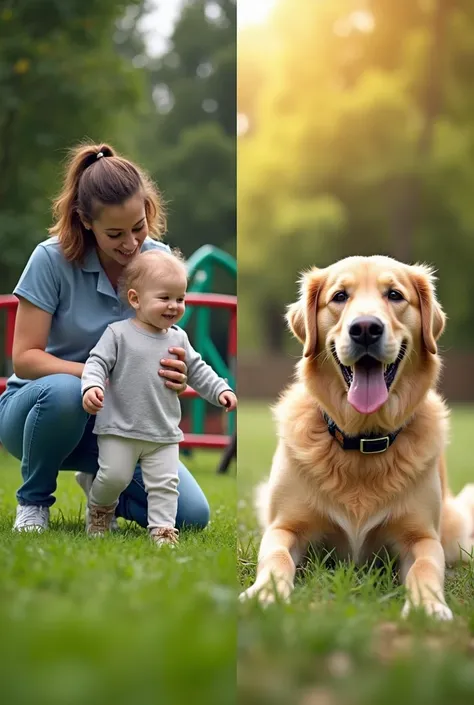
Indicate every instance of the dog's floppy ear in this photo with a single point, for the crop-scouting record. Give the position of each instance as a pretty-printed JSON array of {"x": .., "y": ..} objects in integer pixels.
[
  {"x": 295, "y": 320},
  {"x": 433, "y": 318},
  {"x": 301, "y": 316}
]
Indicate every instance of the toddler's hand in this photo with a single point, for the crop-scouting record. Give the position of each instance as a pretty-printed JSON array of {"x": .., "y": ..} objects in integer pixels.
[
  {"x": 229, "y": 400},
  {"x": 93, "y": 400}
]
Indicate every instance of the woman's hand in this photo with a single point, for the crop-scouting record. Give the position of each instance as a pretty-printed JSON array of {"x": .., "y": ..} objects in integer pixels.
[{"x": 175, "y": 376}]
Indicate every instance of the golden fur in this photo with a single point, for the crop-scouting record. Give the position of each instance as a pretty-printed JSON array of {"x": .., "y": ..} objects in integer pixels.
[{"x": 347, "y": 501}]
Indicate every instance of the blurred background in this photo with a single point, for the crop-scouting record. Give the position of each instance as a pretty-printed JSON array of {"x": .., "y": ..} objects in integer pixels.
[
  {"x": 355, "y": 136},
  {"x": 156, "y": 79},
  {"x": 115, "y": 622}
]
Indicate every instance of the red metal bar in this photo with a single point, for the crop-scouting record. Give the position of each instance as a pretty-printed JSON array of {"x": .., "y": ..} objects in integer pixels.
[
  {"x": 211, "y": 300},
  {"x": 10, "y": 303},
  {"x": 215, "y": 301},
  {"x": 197, "y": 440},
  {"x": 7, "y": 300},
  {"x": 232, "y": 347},
  {"x": 193, "y": 298}
]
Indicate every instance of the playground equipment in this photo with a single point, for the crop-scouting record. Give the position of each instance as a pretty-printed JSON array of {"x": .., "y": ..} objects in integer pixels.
[
  {"x": 199, "y": 302},
  {"x": 202, "y": 266},
  {"x": 204, "y": 345},
  {"x": 8, "y": 303}
]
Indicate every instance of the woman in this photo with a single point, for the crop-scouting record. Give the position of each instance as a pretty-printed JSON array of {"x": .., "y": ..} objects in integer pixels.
[{"x": 107, "y": 212}]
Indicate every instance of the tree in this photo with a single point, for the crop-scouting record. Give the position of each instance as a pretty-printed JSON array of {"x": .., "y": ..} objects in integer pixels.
[
  {"x": 190, "y": 147},
  {"x": 360, "y": 141},
  {"x": 61, "y": 80}
]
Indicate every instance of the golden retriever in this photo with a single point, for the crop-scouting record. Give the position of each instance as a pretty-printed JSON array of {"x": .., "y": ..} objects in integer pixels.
[{"x": 359, "y": 465}]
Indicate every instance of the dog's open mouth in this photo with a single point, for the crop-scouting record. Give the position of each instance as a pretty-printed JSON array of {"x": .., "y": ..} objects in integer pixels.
[{"x": 369, "y": 380}]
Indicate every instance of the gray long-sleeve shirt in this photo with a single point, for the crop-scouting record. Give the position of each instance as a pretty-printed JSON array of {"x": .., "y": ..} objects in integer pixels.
[{"x": 137, "y": 404}]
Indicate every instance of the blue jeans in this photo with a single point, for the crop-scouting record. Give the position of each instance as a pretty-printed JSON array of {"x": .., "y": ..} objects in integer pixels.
[{"x": 44, "y": 425}]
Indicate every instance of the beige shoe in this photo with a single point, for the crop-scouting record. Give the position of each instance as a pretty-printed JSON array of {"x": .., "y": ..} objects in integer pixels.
[
  {"x": 85, "y": 480},
  {"x": 165, "y": 536},
  {"x": 99, "y": 519}
]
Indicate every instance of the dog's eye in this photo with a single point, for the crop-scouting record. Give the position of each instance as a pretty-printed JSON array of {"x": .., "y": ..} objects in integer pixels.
[
  {"x": 394, "y": 295},
  {"x": 340, "y": 297}
]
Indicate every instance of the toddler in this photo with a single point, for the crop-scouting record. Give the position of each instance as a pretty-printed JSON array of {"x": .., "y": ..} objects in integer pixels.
[{"x": 137, "y": 415}]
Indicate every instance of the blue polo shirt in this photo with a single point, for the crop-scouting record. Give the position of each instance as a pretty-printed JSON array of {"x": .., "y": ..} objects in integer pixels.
[{"x": 80, "y": 298}]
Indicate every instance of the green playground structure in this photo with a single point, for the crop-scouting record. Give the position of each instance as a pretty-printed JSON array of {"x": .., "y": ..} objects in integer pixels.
[{"x": 202, "y": 266}]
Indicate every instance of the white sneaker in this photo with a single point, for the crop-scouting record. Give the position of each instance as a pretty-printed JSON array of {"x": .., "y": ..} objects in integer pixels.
[
  {"x": 85, "y": 480},
  {"x": 30, "y": 517}
]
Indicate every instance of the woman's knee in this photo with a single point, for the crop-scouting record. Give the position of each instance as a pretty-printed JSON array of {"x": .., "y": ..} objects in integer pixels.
[
  {"x": 193, "y": 514},
  {"x": 52, "y": 402},
  {"x": 60, "y": 402},
  {"x": 200, "y": 515},
  {"x": 193, "y": 507},
  {"x": 63, "y": 393}
]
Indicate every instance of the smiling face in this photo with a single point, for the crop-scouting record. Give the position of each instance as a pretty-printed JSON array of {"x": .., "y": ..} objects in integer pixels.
[
  {"x": 369, "y": 319},
  {"x": 120, "y": 230},
  {"x": 159, "y": 292}
]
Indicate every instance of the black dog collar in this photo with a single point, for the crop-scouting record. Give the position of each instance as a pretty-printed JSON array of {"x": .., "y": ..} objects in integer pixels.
[{"x": 366, "y": 444}]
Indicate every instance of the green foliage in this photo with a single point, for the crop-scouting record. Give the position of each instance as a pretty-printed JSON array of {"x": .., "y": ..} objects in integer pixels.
[
  {"x": 201, "y": 208},
  {"x": 190, "y": 147},
  {"x": 61, "y": 80},
  {"x": 366, "y": 106}
]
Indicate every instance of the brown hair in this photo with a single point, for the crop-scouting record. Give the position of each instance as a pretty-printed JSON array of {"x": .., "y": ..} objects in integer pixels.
[
  {"x": 95, "y": 175},
  {"x": 135, "y": 272}
]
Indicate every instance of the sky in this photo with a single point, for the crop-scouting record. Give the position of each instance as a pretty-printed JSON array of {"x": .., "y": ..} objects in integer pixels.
[{"x": 158, "y": 24}]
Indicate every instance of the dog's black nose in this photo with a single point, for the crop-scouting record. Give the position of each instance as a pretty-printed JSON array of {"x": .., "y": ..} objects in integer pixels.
[{"x": 366, "y": 330}]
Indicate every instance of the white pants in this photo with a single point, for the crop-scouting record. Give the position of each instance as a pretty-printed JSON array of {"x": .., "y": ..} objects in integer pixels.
[{"x": 159, "y": 463}]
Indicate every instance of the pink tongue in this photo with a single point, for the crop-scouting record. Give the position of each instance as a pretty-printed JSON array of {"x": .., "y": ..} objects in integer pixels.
[{"x": 368, "y": 390}]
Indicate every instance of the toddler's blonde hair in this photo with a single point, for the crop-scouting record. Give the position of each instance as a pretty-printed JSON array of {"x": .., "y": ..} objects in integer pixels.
[{"x": 155, "y": 261}]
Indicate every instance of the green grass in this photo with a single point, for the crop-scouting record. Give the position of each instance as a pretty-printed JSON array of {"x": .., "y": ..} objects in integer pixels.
[
  {"x": 341, "y": 640},
  {"x": 86, "y": 621}
]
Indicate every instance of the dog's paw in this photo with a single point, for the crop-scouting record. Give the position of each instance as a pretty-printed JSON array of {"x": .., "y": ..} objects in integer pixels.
[
  {"x": 433, "y": 608},
  {"x": 267, "y": 593}
]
